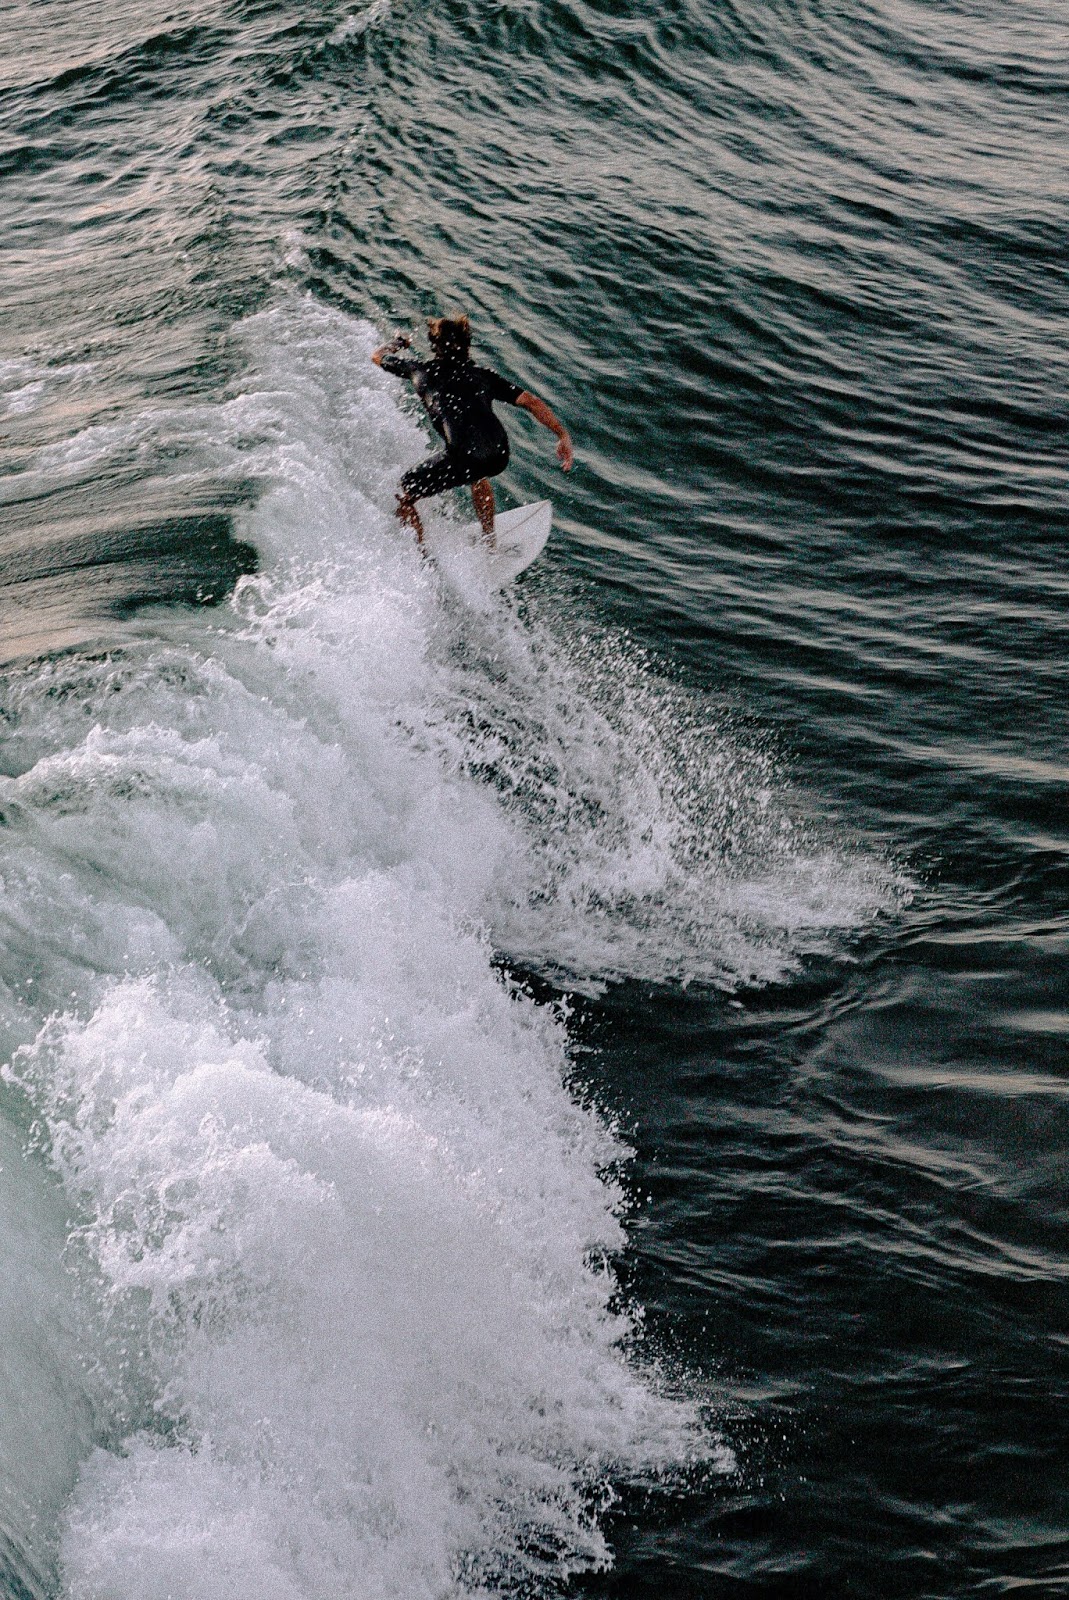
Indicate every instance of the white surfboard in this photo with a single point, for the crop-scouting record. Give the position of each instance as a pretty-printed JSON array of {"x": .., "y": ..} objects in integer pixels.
[{"x": 519, "y": 536}]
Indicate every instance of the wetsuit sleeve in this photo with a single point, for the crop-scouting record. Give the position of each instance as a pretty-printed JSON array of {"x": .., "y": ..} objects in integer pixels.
[
  {"x": 499, "y": 388},
  {"x": 398, "y": 366}
]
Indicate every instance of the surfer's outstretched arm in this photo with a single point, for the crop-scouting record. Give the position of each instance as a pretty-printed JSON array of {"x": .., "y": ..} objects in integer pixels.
[
  {"x": 392, "y": 347},
  {"x": 541, "y": 413}
]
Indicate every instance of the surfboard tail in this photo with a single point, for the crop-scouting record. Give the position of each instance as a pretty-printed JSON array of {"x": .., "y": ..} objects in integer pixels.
[{"x": 520, "y": 537}]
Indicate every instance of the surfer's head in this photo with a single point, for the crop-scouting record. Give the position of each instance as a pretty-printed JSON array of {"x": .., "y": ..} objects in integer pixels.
[{"x": 450, "y": 338}]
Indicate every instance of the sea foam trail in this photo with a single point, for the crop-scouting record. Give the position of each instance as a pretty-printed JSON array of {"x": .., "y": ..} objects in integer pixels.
[{"x": 342, "y": 1233}]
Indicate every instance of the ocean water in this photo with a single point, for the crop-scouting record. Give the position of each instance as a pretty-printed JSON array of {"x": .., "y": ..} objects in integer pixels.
[{"x": 560, "y": 1093}]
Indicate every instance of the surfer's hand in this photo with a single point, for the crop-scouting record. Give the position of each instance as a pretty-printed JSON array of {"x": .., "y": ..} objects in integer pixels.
[
  {"x": 400, "y": 341},
  {"x": 565, "y": 453},
  {"x": 392, "y": 347}
]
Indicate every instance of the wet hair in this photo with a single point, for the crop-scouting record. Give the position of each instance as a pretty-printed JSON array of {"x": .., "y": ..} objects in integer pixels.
[{"x": 450, "y": 338}]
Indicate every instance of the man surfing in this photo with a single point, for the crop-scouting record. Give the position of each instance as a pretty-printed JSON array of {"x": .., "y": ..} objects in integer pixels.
[{"x": 459, "y": 399}]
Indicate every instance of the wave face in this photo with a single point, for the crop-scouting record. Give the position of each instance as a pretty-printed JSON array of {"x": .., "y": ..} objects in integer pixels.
[
  {"x": 342, "y": 1233},
  {"x": 341, "y": 1227}
]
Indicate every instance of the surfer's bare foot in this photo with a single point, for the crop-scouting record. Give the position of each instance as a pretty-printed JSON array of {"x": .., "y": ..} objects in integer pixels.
[
  {"x": 407, "y": 513},
  {"x": 482, "y": 495}
]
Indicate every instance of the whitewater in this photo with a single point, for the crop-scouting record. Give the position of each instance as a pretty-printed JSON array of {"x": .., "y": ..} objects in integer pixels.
[{"x": 312, "y": 1288}]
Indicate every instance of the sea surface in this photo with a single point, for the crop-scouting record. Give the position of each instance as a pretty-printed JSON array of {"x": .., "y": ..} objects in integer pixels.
[{"x": 560, "y": 1093}]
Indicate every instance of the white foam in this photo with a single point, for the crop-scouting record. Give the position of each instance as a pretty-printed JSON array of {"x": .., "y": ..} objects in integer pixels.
[
  {"x": 654, "y": 846},
  {"x": 25, "y": 385},
  {"x": 357, "y": 23},
  {"x": 345, "y": 1226}
]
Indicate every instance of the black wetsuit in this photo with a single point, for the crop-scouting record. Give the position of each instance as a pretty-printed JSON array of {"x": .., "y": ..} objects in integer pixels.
[{"x": 459, "y": 398}]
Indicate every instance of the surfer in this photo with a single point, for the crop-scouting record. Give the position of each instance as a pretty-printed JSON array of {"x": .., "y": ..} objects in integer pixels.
[{"x": 459, "y": 399}]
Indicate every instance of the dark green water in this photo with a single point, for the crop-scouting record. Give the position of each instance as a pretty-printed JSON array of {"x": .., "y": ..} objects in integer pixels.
[{"x": 764, "y": 765}]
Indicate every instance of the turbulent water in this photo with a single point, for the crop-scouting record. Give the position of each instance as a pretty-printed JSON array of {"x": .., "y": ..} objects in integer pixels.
[{"x": 562, "y": 1091}]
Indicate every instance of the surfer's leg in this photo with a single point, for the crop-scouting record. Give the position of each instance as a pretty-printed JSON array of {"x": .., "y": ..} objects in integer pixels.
[
  {"x": 482, "y": 495},
  {"x": 433, "y": 476},
  {"x": 407, "y": 513}
]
